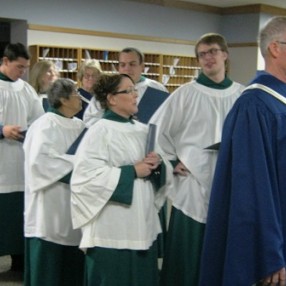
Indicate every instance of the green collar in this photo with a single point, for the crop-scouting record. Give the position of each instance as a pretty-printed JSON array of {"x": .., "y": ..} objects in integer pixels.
[
  {"x": 110, "y": 115},
  {"x": 204, "y": 80},
  {"x": 5, "y": 78},
  {"x": 54, "y": 110},
  {"x": 142, "y": 78}
]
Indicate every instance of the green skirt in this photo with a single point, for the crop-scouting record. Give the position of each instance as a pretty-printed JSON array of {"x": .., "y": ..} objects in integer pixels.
[
  {"x": 51, "y": 264},
  {"x": 12, "y": 223},
  {"x": 122, "y": 267},
  {"x": 183, "y": 251}
]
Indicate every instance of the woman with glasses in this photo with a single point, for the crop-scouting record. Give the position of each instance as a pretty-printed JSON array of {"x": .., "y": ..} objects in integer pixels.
[
  {"x": 88, "y": 73},
  {"x": 52, "y": 256},
  {"x": 114, "y": 201}
]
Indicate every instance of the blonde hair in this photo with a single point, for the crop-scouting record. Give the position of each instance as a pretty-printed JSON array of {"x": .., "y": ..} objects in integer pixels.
[
  {"x": 37, "y": 72},
  {"x": 93, "y": 65}
]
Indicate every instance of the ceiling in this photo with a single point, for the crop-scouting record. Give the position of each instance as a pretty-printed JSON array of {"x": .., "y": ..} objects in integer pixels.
[{"x": 235, "y": 3}]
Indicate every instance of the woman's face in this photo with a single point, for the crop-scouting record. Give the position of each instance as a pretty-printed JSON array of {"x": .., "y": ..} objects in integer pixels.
[
  {"x": 48, "y": 78},
  {"x": 89, "y": 79},
  {"x": 124, "y": 102}
]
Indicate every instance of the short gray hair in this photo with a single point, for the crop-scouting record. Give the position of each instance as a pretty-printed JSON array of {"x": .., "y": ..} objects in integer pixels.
[
  {"x": 61, "y": 88},
  {"x": 273, "y": 30}
]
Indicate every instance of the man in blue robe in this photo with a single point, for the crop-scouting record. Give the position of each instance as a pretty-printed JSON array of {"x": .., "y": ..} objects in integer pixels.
[{"x": 246, "y": 225}]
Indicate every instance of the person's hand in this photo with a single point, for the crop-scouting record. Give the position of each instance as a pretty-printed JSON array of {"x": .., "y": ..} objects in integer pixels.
[
  {"x": 153, "y": 159},
  {"x": 145, "y": 167},
  {"x": 181, "y": 170},
  {"x": 12, "y": 132},
  {"x": 276, "y": 279},
  {"x": 142, "y": 169}
]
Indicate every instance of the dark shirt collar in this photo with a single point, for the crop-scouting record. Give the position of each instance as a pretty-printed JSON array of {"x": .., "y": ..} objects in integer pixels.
[
  {"x": 5, "y": 78},
  {"x": 54, "y": 110},
  {"x": 204, "y": 80},
  {"x": 110, "y": 115}
]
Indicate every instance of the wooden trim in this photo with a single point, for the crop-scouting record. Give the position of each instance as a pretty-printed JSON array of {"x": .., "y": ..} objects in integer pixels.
[
  {"x": 246, "y": 9},
  {"x": 242, "y": 45},
  {"x": 257, "y": 8},
  {"x": 54, "y": 29},
  {"x": 124, "y": 36}
]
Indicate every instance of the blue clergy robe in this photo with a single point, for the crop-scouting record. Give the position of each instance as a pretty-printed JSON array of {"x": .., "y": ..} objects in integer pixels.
[{"x": 246, "y": 225}]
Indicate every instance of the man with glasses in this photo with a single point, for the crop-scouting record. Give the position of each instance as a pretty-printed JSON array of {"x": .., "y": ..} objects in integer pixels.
[
  {"x": 189, "y": 122},
  {"x": 246, "y": 226},
  {"x": 19, "y": 107}
]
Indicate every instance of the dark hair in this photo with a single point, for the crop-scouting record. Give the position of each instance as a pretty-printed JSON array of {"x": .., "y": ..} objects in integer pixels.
[
  {"x": 108, "y": 84},
  {"x": 61, "y": 88},
  {"x": 136, "y": 51},
  {"x": 15, "y": 51}
]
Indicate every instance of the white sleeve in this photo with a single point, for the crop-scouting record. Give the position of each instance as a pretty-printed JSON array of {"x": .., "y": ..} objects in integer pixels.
[
  {"x": 94, "y": 179},
  {"x": 92, "y": 113}
]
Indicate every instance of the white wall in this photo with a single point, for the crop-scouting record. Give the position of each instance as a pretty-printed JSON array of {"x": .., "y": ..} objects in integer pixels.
[
  {"x": 243, "y": 64},
  {"x": 70, "y": 40}
]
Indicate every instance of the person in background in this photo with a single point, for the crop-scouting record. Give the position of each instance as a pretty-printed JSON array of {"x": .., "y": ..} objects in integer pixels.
[
  {"x": 88, "y": 73},
  {"x": 52, "y": 256},
  {"x": 19, "y": 107},
  {"x": 114, "y": 201},
  {"x": 246, "y": 228},
  {"x": 189, "y": 122},
  {"x": 41, "y": 76},
  {"x": 151, "y": 93}
]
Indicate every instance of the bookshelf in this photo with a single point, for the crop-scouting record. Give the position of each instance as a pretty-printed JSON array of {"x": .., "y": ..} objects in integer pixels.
[
  {"x": 178, "y": 70},
  {"x": 171, "y": 70},
  {"x": 66, "y": 59}
]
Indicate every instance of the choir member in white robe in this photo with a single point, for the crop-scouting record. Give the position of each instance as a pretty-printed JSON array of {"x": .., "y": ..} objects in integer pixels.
[
  {"x": 52, "y": 255},
  {"x": 151, "y": 94},
  {"x": 19, "y": 107},
  {"x": 114, "y": 198},
  {"x": 189, "y": 121}
]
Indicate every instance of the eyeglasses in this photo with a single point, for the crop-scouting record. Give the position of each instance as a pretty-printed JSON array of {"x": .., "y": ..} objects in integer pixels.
[
  {"x": 128, "y": 91},
  {"x": 212, "y": 52},
  {"x": 76, "y": 94},
  {"x": 281, "y": 42},
  {"x": 90, "y": 76}
]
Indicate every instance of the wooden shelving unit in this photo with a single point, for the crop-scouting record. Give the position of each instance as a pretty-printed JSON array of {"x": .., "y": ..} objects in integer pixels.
[
  {"x": 66, "y": 59},
  {"x": 171, "y": 70},
  {"x": 178, "y": 70}
]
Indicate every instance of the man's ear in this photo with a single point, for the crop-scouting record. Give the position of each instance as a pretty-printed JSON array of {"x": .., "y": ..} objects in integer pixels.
[
  {"x": 274, "y": 49},
  {"x": 5, "y": 60}
]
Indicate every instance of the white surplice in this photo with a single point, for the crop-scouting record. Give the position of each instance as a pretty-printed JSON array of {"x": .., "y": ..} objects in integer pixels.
[
  {"x": 19, "y": 105},
  {"x": 47, "y": 201},
  {"x": 106, "y": 146},
  {"x": 190, "y": 120}
]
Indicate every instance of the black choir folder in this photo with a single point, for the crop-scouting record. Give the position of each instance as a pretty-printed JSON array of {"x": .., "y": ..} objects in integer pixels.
[
  {"x": 151, "y": 137},
  {"x": 213, "y": 147}
]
